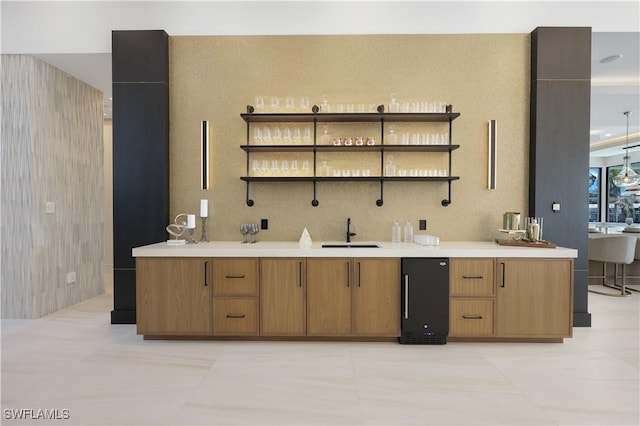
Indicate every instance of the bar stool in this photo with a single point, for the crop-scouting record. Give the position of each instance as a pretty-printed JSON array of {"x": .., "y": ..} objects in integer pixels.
[{"x": 619, "y": 250}]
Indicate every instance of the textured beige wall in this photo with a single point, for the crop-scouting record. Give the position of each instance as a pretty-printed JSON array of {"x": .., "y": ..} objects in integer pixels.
[
  {"x": 484, "y": 76},
  {"x": 52, "y": 151}
]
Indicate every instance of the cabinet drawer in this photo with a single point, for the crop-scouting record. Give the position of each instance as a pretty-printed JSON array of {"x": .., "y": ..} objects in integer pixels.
[
  {"x": 235, "y": 315},
  {"x": 235, "y": 277},
  {"x": 472, "y": 277},
  {"x": 471, "y": 317}
]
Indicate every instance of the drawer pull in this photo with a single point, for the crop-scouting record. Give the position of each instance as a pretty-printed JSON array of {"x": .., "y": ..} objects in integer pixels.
[
  {"x": 472, "y": 277},
  {"x": 235, "y": 315},
  {"x": 472, "y": 317},
  {"x": 235, "y": 276}
]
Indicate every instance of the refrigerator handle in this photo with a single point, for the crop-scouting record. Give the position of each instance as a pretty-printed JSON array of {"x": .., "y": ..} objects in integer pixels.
[{"x": 406, "y": 296}]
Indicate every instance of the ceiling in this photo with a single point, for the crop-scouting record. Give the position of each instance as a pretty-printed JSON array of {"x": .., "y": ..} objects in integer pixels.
[{"x": 49, "y": 30}]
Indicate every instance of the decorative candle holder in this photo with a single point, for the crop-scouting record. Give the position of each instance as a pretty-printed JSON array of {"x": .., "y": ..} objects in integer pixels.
[
  {"x": 203, "y": 237},
  {"x": 191, "y": 240}
]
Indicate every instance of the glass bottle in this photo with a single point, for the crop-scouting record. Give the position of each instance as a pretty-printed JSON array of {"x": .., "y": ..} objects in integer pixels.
[
  {"x": 393, "y": 136},
  {"x": 390, "y": 168},
  {"x": 325, "y": 138},
  {"x": 394, "y": 106},
  {"x": 408, "y": 232},
  {"x": 395, "y": 232}
]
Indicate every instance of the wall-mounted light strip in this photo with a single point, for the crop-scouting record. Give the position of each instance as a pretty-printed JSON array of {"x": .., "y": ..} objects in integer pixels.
[
  {"x": 492, "y": 160},
  {"x": 204, "y": 155}
]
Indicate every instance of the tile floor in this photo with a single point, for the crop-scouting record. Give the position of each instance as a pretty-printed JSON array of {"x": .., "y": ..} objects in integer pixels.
[{"x": 105, "y": 374}]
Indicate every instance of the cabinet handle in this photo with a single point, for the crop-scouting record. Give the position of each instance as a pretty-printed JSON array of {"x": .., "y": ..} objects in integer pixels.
[
  {"x": 235, "y": 315},
  {"x": 358, "y": 274},
  {"x": 472, "y": 316},
  {"x": 348, "y": 275},
  {"x": 235, "y": 276},
  {"x": 406, "y": 297},
  {"x": 299, "y": 274},
  {"x": 503, "y": 272},
  {"x": 206, "y": 263},
  {"x": 472, "y": 277}
]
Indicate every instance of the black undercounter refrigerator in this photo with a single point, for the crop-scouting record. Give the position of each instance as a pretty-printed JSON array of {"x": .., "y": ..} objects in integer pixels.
[{"x": 424, "y": 301}]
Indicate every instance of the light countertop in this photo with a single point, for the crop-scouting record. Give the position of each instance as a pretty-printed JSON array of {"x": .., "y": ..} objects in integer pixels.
[{"x": 386, "y": 249}]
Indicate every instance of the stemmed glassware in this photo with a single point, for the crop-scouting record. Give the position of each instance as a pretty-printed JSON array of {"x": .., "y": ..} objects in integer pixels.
[
  {"x": 250, "y": 229},
  {"x": 253, "y": 230},
  {"x": 244, "y": 230}
]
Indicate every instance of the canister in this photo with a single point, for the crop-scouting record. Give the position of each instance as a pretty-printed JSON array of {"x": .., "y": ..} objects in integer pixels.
[{"x": 511, "y": 220}]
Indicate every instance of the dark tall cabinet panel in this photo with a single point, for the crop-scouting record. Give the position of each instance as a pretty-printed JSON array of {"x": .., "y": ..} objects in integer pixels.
[
  {"x": 559, "y": 144},
  {"x": 140, "y": 67},
  {"x": 424, "y": 301}
]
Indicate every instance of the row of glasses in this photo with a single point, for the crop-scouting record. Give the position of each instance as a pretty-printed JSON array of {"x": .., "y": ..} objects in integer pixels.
[
  {"x": 422, "y": 172},
  {"x": 357, "y": 141},
  {"x": 267, "y": 135},
  {"x": 250, "y": 229},
  {"x": 414, "y": 106},
  {"x": 393, "y": 138},
  {"x": 276, "y": 104},
  {"x": 275, "y": 167}
]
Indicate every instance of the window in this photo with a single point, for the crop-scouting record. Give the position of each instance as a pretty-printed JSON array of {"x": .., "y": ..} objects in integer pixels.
[
  {"x": 594, "y": 194},
  {"x": 620, "y": 204}
]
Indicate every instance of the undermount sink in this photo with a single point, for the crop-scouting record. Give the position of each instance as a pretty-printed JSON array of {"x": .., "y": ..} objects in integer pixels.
[{"x": 350, "y": 245}]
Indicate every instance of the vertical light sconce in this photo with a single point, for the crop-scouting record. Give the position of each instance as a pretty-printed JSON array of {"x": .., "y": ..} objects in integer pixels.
[
  {"x": 492, "y": 160},
  {"x": 204, "y": 155}
]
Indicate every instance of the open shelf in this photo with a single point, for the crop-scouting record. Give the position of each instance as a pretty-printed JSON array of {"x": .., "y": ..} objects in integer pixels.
[{"x": 370, "y": 117}]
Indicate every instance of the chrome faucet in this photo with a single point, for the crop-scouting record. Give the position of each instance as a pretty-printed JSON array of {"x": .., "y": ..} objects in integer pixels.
[{"x": 349, "y": 233}]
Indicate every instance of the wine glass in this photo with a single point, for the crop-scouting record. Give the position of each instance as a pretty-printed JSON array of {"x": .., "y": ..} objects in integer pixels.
[
  {"x": 244, "y": 230},
  {"x": 253, "y": 230},
  {"x": 304, "y": 104}
]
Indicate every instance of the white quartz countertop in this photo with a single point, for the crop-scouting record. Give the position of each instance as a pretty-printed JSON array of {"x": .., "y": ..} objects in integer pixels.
[{"x": 386, "y": 249}]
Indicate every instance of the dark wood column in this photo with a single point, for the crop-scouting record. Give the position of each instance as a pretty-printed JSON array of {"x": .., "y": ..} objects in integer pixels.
[
  {"x": 140, "y": 67},
  {"x": 559, "y": 145}
]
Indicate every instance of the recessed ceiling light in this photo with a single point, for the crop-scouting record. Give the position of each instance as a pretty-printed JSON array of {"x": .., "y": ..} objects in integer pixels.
[
  {"x": 611, "y": 58},
  {"x": 608, "y": 134}
]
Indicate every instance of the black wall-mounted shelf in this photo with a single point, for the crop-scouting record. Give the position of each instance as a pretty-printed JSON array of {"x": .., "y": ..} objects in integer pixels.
[{"x": 371, "y": 117}]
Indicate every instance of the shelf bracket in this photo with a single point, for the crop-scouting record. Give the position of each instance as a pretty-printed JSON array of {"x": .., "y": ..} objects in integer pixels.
[
  {"x": 249, "y": 200},
  {"x": 315, "y": 201},
  {"x": 447, "y": 201},
  {"x": 380, "y": 201}
]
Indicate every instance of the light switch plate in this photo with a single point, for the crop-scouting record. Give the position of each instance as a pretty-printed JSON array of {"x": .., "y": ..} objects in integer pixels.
[
  {"x": 50, "y": 207},
  {"x": 555, "y": 207}
]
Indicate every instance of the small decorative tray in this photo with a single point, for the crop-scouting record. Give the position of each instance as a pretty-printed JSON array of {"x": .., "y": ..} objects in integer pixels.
[{"x": 525, "y": 243}]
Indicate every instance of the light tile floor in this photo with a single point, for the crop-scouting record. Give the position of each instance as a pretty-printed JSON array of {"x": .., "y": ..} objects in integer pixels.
[{"x": 103, "y": 374}]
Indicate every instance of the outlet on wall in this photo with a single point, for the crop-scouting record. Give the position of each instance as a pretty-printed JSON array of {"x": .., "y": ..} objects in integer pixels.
[
  {"x": 71, "y": 277},
  {"x": 423, "y": 224},
  {"x": 264, "y": 223}
]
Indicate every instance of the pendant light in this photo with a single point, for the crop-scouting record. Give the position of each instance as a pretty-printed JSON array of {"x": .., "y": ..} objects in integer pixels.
[{"x": 627, "y": 176}]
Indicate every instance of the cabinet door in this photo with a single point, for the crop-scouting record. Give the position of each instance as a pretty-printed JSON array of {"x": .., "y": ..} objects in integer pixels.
[
  {"x": 282, "y": 297},
  {"x": 235, "y": 277},
  {"x": 235, "y": 316},
  {"x": 471, "y": 277},
  {"x": 173, "y": 296},
  {"x": 329, "y": 283},
  {"x": 534, "y": 297},
  {"x": 376, "y": 297}
]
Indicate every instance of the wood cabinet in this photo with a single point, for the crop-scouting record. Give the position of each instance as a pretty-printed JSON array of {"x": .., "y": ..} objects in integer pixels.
[
  {"x": 235, "y": 316},
  {"x": 534, "y": 297},
  {"x": 358, "y": 296},
  {"x": 173, "y": 296},
  {"x": 329, "y": 283},
  {"x": 376, "y": 297},
  {"x": 235, "y": 296},
  {"x": 283, "y": 292},
  {"x": 472, "y": 292}
]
